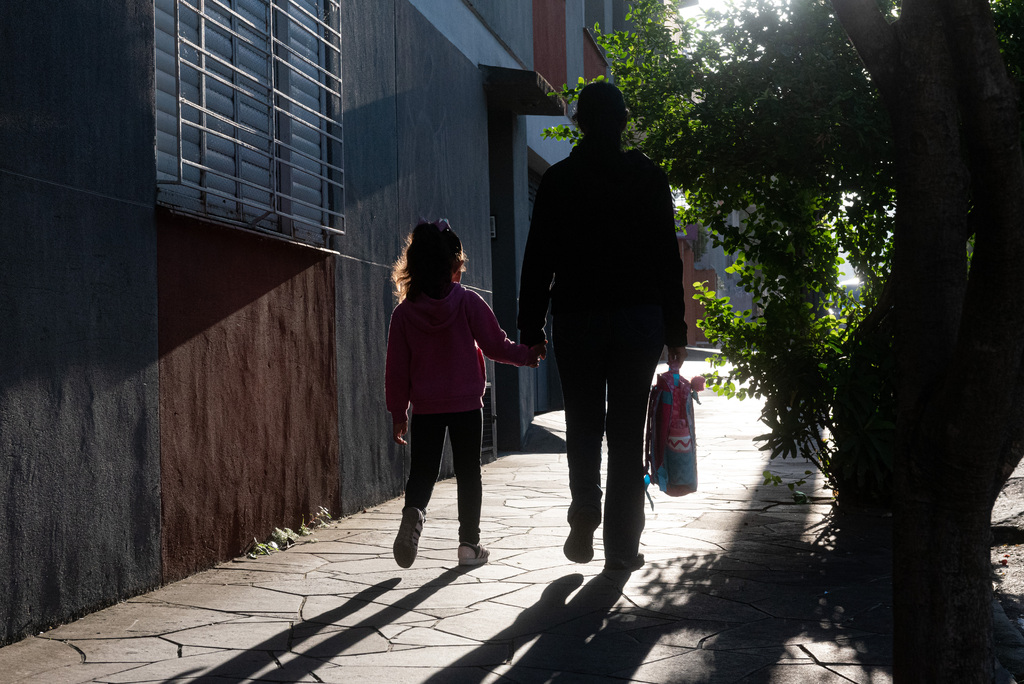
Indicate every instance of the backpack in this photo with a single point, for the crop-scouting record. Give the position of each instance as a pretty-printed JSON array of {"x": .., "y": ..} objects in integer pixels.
[{"x": 671, "y": 439}]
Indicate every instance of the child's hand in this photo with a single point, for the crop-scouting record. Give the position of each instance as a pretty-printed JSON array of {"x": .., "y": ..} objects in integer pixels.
[
  {"x": 399, "y": 432},
  {"x": 538, "y": 352}
]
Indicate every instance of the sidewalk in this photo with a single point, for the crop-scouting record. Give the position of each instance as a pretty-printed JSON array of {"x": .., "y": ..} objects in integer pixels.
[{"x": 741, "y": 585}]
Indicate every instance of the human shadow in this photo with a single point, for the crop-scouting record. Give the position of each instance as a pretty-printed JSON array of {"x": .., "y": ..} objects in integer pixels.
[
  {"x": 251, "y": 662},
  {"x": 559, "y": 628},
  {"x": 742, "y": 585},
  {"x": 760, "y": 610},
  {"x": 749, "y": 586}
]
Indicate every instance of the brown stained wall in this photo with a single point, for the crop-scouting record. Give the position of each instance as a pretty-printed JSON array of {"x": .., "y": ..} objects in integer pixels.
[
  {"x": 549, "y": 59},
  {"x": 248, "y": 406}
]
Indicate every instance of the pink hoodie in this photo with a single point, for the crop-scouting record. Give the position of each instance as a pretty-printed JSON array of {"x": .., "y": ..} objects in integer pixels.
[{"x": 436, "y": 353}]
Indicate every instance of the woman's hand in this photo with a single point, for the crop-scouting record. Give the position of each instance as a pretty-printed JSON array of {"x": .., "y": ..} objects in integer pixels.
[
  {"x": 676, "y": 356},
  {"x": 538, "y": 353},
  {"x": 399, "y": 431}
]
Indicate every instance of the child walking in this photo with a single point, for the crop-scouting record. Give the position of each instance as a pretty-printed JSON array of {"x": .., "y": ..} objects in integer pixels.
[{"x": 439, "y": 334}]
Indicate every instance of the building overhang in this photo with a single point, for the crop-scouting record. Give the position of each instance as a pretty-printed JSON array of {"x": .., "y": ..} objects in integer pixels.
[{"x": 520, "y": 91}]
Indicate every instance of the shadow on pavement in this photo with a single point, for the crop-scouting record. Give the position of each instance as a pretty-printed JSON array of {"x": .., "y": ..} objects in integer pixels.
[{"x": 248, "y": 665}]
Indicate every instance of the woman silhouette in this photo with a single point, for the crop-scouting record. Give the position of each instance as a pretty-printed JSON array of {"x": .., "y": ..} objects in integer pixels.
[{"x": 602, "y": 249}]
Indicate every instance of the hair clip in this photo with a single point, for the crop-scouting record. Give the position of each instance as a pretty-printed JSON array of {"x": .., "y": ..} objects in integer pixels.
[{"x": 441, "y": 223}]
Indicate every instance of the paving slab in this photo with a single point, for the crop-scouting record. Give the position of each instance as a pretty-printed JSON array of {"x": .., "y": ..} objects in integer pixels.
[
  {"x": 741, "y": 584},
  {"x": 32, "y": 657},
  {"x": 80, "y": 673},
  {"x": 140, "y": 650}
]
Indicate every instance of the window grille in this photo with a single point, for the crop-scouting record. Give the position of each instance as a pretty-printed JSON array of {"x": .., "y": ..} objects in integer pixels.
[{"x": 249, "y": 114}]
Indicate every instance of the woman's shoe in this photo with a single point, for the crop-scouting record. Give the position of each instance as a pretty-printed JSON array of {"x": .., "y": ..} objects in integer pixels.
[
  {"x": 579, "y": 547},
  {"x": 621, "y": 565}
]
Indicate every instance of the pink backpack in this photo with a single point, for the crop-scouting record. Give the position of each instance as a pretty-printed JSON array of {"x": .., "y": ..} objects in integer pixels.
[{"x": 671, "y": 441}]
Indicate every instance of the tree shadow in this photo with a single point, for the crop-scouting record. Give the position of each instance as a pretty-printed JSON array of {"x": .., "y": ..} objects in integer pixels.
[
  {"x": 752, "y": 587},
  {"x": 764, "y": 609}
]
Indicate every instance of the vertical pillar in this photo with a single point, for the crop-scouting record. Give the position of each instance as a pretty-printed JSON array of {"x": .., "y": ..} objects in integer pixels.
[{"x": 507, "y": 159}]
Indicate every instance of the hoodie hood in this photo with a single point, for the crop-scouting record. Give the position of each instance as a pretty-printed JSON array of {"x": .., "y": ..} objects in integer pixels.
[{"x": 428, "y": 314}]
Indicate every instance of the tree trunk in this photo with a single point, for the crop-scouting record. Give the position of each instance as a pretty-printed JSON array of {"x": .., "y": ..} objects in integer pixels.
[{"x": 958, "y": 340}]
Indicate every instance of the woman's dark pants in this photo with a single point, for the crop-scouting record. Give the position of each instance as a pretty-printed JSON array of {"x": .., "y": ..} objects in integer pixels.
[{"x": 611, "y": 354}]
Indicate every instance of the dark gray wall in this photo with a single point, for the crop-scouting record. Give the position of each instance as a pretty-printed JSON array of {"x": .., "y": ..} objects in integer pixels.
[
  {"x": 512, "y": 22},
  {"x": 415, "y": 123},
  {"x": 510, "y": 207},
  {"x": 79, "y": 462},
  {"x": 368, "y": 472},
  {"x": 79, "y": 425}
]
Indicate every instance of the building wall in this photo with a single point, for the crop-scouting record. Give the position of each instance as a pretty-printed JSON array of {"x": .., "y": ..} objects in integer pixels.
[
  {"x": 510, "y": 23},
  {"x": 416, "y": 146},
  {"x": 575, "y": 47},
  {"x": 594, "y": 64},
  {"x": 549, "y": 40},
  {"x": 599, "y": 13},
  {"x": 79, "y": 460},
  {"x": 692, "y": 274},
  {"x": 248, "y": 406},
  {"x": 510, "y": 206},
  {"x": 715, "y": 261},
  {"x": 254, "y": 368}
]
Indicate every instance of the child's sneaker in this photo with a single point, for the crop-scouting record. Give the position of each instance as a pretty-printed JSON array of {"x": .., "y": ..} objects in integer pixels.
[
  {"x": 408, "y": 539},
  {"x": 472, "y": 554}
]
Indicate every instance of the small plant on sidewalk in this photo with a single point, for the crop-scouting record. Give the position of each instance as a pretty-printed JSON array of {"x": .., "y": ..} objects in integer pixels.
[{"x": 281, "y": 539}]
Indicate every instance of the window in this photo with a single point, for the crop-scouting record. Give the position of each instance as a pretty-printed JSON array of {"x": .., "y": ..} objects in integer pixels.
[{"x": 249, "y": 114}]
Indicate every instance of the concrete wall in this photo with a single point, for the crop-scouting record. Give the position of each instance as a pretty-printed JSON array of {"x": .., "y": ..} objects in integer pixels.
[
  {"x": 513, "y": 24},
  {"x": 416, "y": 146},
  {"x": 98, "y": 378},
  {"x": 599, "y": 12},
  {"x": 79, "y": 461},
  {"x": 248, "y": 407},
  {"x": 575, "y": 47},
  {"x": 514, "y": 396}
]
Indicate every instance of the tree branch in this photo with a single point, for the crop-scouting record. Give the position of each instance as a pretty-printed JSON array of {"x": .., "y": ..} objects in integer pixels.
[{"x": 874, "y": 38}]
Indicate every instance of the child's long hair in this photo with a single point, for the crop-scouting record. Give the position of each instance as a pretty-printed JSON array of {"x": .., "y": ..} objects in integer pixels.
[{"x": 428, "y": 261}]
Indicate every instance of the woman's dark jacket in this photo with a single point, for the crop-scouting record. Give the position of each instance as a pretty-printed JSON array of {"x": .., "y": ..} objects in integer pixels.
[{"x": 602, "y": 237}]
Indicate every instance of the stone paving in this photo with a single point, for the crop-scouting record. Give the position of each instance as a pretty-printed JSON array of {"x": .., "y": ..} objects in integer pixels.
[{"x": 741, "y": 585}]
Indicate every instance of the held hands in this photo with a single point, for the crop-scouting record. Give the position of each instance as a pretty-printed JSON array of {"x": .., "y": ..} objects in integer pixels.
[
  {"x": 399, "y": 432},
  {"x": 676, "y": 356},
  {"x": 538, "y": 352}
]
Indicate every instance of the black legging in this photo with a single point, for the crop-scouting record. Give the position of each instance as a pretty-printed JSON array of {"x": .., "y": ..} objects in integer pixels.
[
  {"x": 465, "y": 431},
  {"x": 614, "y": 355}
]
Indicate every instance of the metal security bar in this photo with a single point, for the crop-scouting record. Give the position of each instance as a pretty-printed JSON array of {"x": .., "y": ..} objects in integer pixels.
[{"x": 249, "y": 114}]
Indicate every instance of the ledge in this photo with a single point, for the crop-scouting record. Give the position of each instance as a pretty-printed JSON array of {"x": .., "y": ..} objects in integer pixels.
[{"x": 520, "y": 91}]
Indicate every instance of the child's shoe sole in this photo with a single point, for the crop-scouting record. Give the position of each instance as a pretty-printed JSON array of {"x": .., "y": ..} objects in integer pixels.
[{"x": 407, "y": 541}]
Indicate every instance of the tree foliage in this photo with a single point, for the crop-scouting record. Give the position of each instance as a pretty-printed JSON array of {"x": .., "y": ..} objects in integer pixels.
[{"x": 764, "y": 111}]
